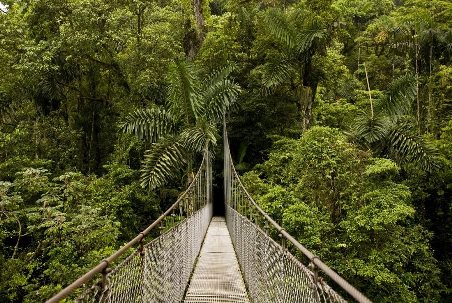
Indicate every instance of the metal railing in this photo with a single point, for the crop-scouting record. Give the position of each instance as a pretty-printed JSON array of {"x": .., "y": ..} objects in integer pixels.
[
  {"x": 157, "y": 271},
  {"x": 271, "y": 272}
]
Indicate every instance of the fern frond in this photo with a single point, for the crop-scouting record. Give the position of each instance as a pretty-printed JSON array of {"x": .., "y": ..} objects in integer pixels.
[
  {"x": 218, "y": 75},
  {"x": 161, "y": 162},
  {"x": 219, "y": 97},
  {"x": 149, "y": 124},
  {"x": 307, "y": 38}
]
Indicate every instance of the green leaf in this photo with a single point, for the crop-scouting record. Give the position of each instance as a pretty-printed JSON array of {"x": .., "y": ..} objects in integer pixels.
[
  {"x": 401, "y": 94},
  {"x": 406, "y": 146},
  {"x": 199, "y": 137},
  {"x": 161, "y": 161},
  {"x": 149, "y": 124}
]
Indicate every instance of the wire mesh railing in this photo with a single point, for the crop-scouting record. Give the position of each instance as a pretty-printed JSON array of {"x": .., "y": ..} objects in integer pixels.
[
  {"x": 271, "y": 272},
  {"x": 159, "y": 270}
]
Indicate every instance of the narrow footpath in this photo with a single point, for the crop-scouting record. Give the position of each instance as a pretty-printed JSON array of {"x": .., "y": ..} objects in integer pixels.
[{"x": 217, "y": 277}]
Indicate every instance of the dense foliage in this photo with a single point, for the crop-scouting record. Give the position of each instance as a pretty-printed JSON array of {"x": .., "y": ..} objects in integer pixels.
[
  {"x": 351, "y": 209},
  {"x": 340, "y": 116}
]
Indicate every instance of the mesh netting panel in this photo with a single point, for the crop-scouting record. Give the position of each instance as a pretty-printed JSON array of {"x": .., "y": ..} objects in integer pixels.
[
  {"x": 160, "y": 271},
  {"x": 271, "y": 272},
  {"x": 169, "y": 260},
  {"x": 124, "y": 283}
]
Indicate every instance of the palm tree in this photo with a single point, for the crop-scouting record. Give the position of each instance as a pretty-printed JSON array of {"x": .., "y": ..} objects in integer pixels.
[
  {"x": 298, "y": 38},
  {"x": 391, "y": 130},
  {"x": 185, "y": 125}
]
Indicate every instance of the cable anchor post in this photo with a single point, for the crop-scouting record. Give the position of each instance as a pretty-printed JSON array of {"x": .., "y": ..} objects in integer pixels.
[
  {"x": 104, "y": 282},
  {"x": 162, "y": 226},
  {"x": 282, "y": 239},
  {"x": 141, "y": 243},
  {"x": 315, "y": 270}
]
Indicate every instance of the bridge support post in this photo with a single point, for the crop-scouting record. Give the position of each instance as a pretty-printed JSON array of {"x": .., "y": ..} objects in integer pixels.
[
  {"x": 315, "y": 269},
  {"x": 104, "y": 284}
]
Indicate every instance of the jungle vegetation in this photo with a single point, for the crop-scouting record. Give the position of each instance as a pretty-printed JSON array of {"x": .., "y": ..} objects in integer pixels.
[{"x": 339, "y": 114}]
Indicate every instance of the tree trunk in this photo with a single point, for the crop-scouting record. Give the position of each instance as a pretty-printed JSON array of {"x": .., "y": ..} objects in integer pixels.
[
  {"x": 199, "y": 17},
  {"x": 418, "y": 101},
  {"x": 305, "y": 106},
  {"x": 19, "y": 234},
  {"x": 359, "y": 58},
  {"x": 80, "y": 124},
  {"x": 370, "y": 93},
  {"x": 430, "y": 107},
  {"x": 309, "y": 91},
  {"x": 194, "y": 38},
  {"x": 91, "y": 127}
]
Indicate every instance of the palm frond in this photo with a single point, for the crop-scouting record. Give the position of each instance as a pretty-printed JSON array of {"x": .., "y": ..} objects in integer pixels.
[
  {"x": 218, "y": 75},
  {"x": 408, "y": 147},
  {"x": 307, "y": 37},
  {"x": 219, "y": 97},
  {"x": 218, "y": 94},
  {"x": 280, "y": 29},
  {"x": 197, "y": 138},
  {"x": 161, "y": 162},
  {"x": 401, "y": 94},
  {"x": 183, "y": 99},
  {"x": 149, "y": 124},
  {"x": 369, "y": 129},
  {"x": 276, "y": 73}
]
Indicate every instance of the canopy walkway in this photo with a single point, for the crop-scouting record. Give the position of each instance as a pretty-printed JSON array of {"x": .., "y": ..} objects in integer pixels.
[{"x": 194, "y": 257}]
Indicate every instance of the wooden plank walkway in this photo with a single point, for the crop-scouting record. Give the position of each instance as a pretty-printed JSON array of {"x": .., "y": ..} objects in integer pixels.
[{"x": 217, "y": 277}]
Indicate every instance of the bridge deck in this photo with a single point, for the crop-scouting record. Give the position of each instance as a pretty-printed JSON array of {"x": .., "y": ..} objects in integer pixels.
[{"x": 217, "y": 277}]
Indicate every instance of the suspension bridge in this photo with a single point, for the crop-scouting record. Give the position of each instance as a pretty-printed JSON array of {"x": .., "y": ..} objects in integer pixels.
[{"x": 242, "y": 257}]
